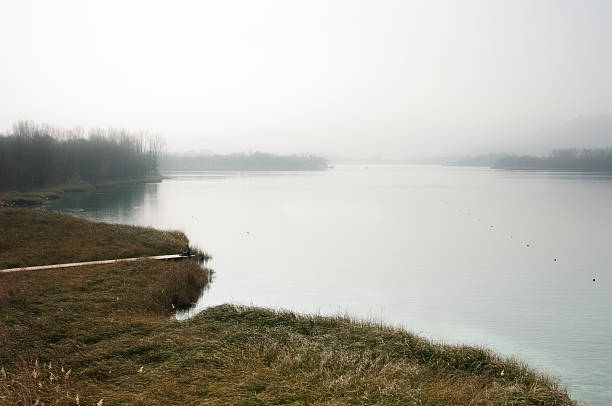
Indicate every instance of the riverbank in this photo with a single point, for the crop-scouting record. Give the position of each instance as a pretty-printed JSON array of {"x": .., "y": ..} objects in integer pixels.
[
  {"x": 38, "y": 197},
  {"x": 32, "y": 237},
  {"x": 108, "y": 333}
]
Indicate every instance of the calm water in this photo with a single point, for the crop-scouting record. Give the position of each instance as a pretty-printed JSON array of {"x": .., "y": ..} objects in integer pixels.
[{"x": 441, "y": 251}]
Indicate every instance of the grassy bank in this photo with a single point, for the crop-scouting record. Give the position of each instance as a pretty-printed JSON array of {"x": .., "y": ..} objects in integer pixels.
[
  {"x": 29, "y": 238},
  {"x": 28, "y": 198},
  {"x": 37, "y": 197},
  {"x": 107, "y": 332}
]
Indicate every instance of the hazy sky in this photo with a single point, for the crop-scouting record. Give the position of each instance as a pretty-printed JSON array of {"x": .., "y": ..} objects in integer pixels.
[{"x": 348, "y": 78}]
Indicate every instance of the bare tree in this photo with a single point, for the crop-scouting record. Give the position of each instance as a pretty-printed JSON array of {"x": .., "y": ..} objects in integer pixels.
[
  {"x": 34, "y": 155},
  {"x": 155, "y": 147}
]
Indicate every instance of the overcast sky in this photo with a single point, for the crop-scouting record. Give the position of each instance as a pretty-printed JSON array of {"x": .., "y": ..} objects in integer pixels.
[{"x": 342, "y": 78}]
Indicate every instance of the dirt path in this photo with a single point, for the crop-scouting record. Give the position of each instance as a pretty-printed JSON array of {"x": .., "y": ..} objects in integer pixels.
[{"x": 107, "y": 261}]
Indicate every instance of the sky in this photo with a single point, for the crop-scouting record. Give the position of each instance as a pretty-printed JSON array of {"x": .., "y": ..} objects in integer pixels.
[{"x": 352, "y": 78}]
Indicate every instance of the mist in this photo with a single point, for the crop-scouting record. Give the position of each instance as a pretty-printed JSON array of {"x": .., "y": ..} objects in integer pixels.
[
  {"x": 380, "y": 202},
  {"x": 388, "y": 79}
]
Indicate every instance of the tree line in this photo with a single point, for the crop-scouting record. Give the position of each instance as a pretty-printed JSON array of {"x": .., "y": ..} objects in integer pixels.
[
  {"x": 36, "y": 155},
  {"x": 599, "y": 159},
  {"x": 257, "y": 161}
]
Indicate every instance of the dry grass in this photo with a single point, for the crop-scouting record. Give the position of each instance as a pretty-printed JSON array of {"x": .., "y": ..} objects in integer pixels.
[
  {"x": 26, "y": 198},
  {"x": 278, "y": 357},
  {"x": 111, "y": 326},
  {"x": 29, "y": 383},
  {"x": 75, "y": 319},
  {"x": 250, "y": 356},
  {"x": 10, "y": 291},
  {"x": 29, "y": 238},
  {"x": 37, "y": 197}
]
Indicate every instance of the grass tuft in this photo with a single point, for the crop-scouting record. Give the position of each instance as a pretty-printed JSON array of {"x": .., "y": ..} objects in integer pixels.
[{"x": 33, "y": 383}]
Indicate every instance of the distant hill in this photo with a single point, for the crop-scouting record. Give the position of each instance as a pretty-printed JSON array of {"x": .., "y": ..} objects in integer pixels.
[
  {"x": 583, "y": 143},
  {"x": 258, "y": 161},
  {"x": 589, "y": 160},
  {"x": 586, "y": 131}
]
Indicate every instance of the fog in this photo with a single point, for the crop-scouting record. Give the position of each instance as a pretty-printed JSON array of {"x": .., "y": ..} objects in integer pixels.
[{"x": 341, "y": 78}]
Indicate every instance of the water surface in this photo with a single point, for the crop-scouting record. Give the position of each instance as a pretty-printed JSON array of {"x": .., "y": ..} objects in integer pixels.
[{"x": 462, "y": 255}]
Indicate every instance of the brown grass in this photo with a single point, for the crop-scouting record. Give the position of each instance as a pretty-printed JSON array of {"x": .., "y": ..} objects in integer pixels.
[
  {"x": 29, "y": 238},
  {"x": 60, "y": 317},
  {"x": 38, "y": 197},
  {"x": 29, "y": 383},
  {"x": 106, "y": 323}
]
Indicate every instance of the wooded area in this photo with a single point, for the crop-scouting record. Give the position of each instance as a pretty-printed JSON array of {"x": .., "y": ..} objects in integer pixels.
[
  {"x": 564, "y": 159},
  {"x": 257, "y": 161},
  {"x": 36, "y": 155}
]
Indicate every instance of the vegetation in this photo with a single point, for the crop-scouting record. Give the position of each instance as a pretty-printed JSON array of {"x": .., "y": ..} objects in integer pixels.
[
  {"x": 16, "y": 198},
  {"x": 565, "y": 159},
  {"x": 110, "y": 328},
  {"x": 475, "y": 160},
  {"x": 94, "y": 322},
  {"x": 30, "y": 238},
  {"x": 257, "y": 161},
  {"x": 105, "y": 335},
  {"x": 587, "y": 160},
  {"x": 37, "y": 197},
  {"x": 36, "y": 156}
]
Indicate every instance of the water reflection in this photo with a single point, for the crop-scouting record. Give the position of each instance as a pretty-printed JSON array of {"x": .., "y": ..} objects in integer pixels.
[
  {"x": 447, "y": 246},
  {"x": 126, "y": 204},
  {"x": 198, "y": 305}
]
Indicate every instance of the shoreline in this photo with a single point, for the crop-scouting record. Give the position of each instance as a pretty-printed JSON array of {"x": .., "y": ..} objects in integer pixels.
[
  {"x": 113, "y": 326},
  {"x": 39, "y": 196}
]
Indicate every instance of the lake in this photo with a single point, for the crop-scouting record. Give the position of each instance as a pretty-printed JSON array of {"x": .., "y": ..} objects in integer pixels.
[{"x": 520, "y": 262}]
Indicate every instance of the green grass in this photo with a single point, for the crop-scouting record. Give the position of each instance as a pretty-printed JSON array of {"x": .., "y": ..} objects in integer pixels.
[{"x": 113, "y": 328}]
